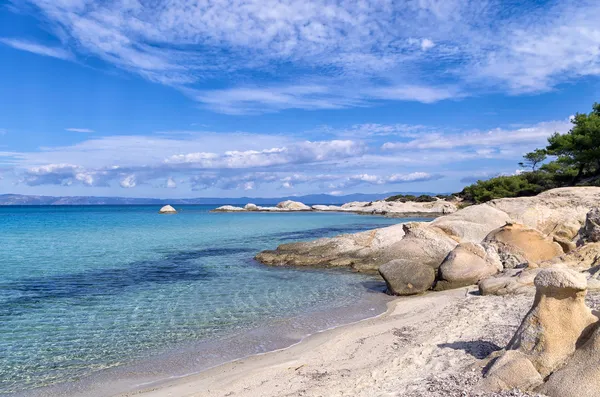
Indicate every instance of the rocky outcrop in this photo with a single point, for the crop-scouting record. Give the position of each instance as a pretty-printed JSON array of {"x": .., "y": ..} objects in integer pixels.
[
  {"x": 422, "y": 245},
  {"x": 580, "y": 376},
  {"x": 406, "y": 277},
  {"x": 290, "y": 205},
  {"x": 228, "y": 208},
  {"x": 167, "y": 209},
  {"x": 591, "y": 229},
  {"x": 557, "y": 212},
  {"x": 518, "y": 245},
  {"x": 466, "y": 265},
  {"x": 438, "y": 207},
  {"x": 472, "y": 223},
  {"x": 558, "y": 322},
  {"x": 251, "y": 207},
  {"x": 492, "y": 226},
  {"x": 364, "y": 251},
  {"x": 509, "y": 282}
]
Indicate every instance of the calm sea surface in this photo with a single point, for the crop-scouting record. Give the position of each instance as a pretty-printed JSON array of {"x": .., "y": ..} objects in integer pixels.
[{"x": 85, "y": 289}]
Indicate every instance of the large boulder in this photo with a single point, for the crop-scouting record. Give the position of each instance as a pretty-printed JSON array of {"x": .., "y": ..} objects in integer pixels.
[
  {"x": 167, "y": 209},
  {"x": 467, "y": 264},
  {"x": 251, "y": 207},
  {"x": 290, "y": 205},
  {"x": 557, "y": 212},
  {"x": 407, "y": 278},
  {"x": 471, "y": 223},
  {"x": 558, "y": 319},
  {"x": 519, "y": 245},
  {"x": 422, "y": 245},
  {"x": 580, "y": 376},
  {"x": 591, "y": 229}
]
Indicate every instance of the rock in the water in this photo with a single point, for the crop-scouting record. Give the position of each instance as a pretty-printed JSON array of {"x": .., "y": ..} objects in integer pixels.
[
  {"x": 364, "y": 251},
  {"x": 467, "y": 264},
  {"x": 518, "y": 245},
  {"x": 167, "y": 209},
  {"x": 472, "y": 223},
  {"x": 591, "y": 229},
  {"x": 580, "y": 376},
  {"x": 512, "y": 370},
  {"x": 404, "y": 277},
  {"x": 228, "y": 208},
  {"x": 251, "y": 207},
  {"x": 293, "y": 206},
  {"x": 557, "y": 321}
]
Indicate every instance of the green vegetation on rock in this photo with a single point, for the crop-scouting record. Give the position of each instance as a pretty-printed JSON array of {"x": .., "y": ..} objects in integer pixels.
[{"x": 576, "y": 161}]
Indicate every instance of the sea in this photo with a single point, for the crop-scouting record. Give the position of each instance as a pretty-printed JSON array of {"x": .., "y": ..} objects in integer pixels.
[{"x": 103, "y": 299}]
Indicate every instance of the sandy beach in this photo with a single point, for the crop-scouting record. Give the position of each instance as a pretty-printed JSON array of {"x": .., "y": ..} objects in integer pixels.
[{"x": 429, "y": 345}]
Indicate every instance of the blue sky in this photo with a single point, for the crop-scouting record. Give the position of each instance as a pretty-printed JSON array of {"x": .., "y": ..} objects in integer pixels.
[{"x": 192, "y": 98}]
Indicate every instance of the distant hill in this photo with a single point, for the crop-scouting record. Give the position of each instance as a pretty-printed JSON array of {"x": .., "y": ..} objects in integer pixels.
[{"x": 19, "y": 199}]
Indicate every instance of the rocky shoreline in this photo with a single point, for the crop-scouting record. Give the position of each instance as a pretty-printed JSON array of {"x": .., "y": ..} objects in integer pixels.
[
  {"x": 547, "y": 245},
  {"x": 382, "y": 207}
]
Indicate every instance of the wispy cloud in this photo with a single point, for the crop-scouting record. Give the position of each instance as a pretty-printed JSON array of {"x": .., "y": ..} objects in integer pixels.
[
  {"x": 54, "y": 52},
  {"x": 83, "y": 130},
  {"x": 324, "y": 55}
]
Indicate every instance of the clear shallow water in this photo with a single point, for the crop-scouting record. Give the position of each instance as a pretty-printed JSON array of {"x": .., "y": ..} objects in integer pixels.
[{"x": 83, "y": 289}]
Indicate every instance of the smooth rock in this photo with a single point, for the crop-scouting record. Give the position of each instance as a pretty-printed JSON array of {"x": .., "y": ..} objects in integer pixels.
[
  {"x": 510, "y": 282},
  {"x": 405, "y": 277},
  {"x": 519, "y": 245},
  {"x": 467, "y": 264},
  {"x": 293, "y": 206},
  {"x": 228, "y": 208},
  {"x": 167, "y": 209},
  {"x": 557, "y": 321},
  {"x": 556, "y": 212},
  {"x": 364, "y": 251},
  {"x": 580, "y": 376},
  {"x": 472, "y": 223},
  {"x": 512, "y": 370},
  {"x": 251, "y": 207}
]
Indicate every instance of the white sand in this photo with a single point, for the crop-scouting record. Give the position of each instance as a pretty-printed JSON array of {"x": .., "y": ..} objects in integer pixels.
[{"x": 423, "y": 346}]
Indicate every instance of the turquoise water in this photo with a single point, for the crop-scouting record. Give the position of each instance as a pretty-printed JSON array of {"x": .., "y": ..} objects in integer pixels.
[{"x": 83, "y": 289}]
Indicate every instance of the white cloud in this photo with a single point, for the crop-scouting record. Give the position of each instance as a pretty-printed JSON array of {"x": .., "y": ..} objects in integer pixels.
[
  {"x": 54, "y": 52},
  {"x": 129, "y": 181},
  {"x": 171, "y": 184},
  {"x": 369, "y": 179},
  {"x": 83, "y": 130},
  {"x": 487, "y": 142},
  {"x": 427, "y": 44},
  {"x": 298, "y": 153}
]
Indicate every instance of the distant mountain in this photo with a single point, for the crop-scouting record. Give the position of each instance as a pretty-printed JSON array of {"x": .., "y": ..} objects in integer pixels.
[{"x": 19, "y": 199}]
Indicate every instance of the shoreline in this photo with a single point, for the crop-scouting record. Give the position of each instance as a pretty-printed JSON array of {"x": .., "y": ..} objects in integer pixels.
[
  {"x": 197, "y": 357},
  {"x": 354, "y": 359}
]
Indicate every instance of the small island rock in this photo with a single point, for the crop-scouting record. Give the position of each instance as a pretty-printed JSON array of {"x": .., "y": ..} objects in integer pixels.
[{"x": 167, "y": 209}]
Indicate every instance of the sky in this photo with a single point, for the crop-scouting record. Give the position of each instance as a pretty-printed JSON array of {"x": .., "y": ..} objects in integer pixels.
[{"x": 267, "y": 98}]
